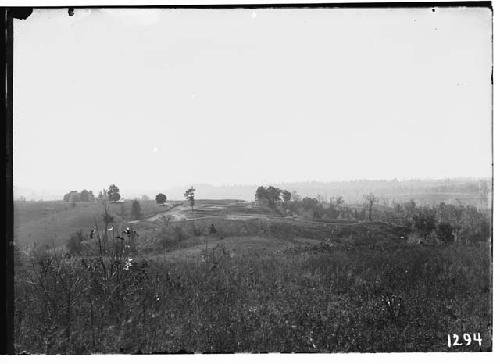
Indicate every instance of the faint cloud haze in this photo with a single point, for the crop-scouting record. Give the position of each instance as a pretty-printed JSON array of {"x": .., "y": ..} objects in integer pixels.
[{"x": 154, "y": 99}]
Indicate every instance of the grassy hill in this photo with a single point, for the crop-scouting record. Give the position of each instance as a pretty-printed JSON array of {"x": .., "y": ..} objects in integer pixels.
[
  {"x": 260, "y": 282},
  {"x": 52, "y": 222}
]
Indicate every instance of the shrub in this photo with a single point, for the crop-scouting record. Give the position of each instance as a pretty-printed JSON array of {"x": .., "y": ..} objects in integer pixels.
[
  {"x": 424, "y": 222},
  {"x": 135, "y": 210},
  {"x": 445, "y": 232},
  {"x": 74, "y": 244},
  {"x": 160, "y": 198}
]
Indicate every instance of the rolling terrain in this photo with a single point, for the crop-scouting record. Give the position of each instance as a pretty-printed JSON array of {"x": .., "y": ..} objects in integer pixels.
[{"x": 260, "y": 282}]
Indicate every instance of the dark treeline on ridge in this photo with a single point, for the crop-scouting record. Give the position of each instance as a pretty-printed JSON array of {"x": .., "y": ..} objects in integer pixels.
[
  {"x": 471, "y": 191},
  {"x": 443, "y": 223}
]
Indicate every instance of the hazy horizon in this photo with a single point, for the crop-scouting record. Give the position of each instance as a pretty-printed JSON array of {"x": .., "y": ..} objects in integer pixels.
[
  {"x": 156, "y": 99},
  {"x": 234, "y": 190}
]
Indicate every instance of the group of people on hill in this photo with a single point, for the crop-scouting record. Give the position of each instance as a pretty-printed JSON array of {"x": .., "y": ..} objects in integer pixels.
[{"x": 129, "y": 233}]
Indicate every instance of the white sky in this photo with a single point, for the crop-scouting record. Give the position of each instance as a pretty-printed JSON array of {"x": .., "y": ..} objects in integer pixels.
[{"x": 159, "y": 98}]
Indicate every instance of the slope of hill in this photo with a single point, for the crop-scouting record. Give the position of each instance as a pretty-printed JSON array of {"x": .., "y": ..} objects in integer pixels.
[{"x": 258, "y": 282}]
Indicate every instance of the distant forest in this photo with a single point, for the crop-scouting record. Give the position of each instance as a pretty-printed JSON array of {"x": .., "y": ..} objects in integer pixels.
[
  {"x": 474, "y": 192},
  {"x": 465, "y": 191}
]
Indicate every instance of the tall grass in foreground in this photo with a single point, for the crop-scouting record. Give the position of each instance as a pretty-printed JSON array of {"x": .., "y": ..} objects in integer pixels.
[{"x": 304, "y": 299}]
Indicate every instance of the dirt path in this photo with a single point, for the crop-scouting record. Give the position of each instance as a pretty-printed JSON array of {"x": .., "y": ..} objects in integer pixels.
[
  {"x": 232, "y": 211},
  {"x": 182, "y": 213},
  {"x": 176, "y": 213}
]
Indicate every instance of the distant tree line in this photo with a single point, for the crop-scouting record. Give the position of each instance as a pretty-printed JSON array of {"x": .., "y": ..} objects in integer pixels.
[
  {"x": 82, "y": 196},
  {"x": 444, "y": 222},
  {"x": 447, "y": 222},
  {"x": 111, "y": 194}
]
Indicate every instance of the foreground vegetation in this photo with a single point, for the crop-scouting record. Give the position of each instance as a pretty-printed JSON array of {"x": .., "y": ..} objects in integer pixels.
[{"x": 255, "y": 286}]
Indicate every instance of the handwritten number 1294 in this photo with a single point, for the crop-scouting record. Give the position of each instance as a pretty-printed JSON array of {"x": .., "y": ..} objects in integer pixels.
[{"x": 466, "y": 339}]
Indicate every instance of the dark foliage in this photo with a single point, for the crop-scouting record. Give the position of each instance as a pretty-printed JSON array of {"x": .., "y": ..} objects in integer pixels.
[
  {"x": 189, "y": 195},
  {"x": 424, "y": 222},
  {"x": 113, "y": 193},
  {"x": 160, "y": 198},
  {"x": 74, "y": 244},
  {"x": 445, "y": 232},
  {"x": 75, "y": 196},
  {"x": 307, "y": 299},
  {"x": 272, "y": 196}
]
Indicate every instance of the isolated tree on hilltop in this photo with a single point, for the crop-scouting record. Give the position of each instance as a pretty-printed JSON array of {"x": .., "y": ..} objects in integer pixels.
[
  {"x": 273, "y": 195},
  {"x": 160, "y": 198},
  {"x": 113, "y": 193},
  {"x": 370, "y": 200},
  {"x": 189, "y": 195},
  {"x": 135, "y": 210},
  {"x": 261, "y": 194},
  {"x": 270, "y": 195}
]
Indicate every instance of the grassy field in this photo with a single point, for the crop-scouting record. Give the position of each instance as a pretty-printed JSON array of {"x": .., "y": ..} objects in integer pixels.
[
  {"x": 52, "y": 222},
  {"x": 261, "y": 283}
]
